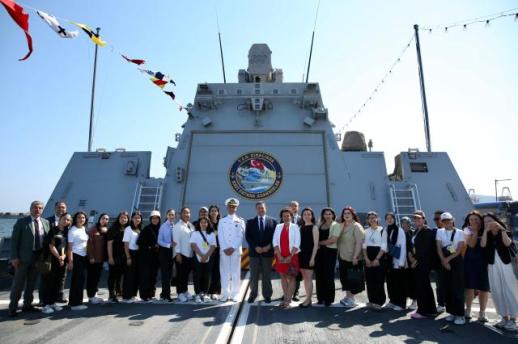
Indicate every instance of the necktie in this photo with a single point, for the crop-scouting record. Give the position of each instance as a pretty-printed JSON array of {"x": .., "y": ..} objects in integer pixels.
[
  {"x": 37, "y": 236},
  {"x": 261, "y": 224}
]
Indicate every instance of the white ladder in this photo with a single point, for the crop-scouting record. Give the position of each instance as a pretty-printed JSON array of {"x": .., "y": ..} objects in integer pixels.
[
  {"x": 405, "y": 200},
  {"x": 148, "y": 199}
]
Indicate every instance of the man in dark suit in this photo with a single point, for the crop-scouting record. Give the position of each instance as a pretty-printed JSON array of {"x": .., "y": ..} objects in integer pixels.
[
  {"x": 26, "y": 248},
  {"x": 259, "y": 234},
  {"x": 296, "y": 219},
  {"x": 60, "y": 208}
]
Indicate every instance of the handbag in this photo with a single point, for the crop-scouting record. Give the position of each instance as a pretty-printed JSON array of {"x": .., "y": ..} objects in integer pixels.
[
  {"x": 294, "y": 267},
  {"x": 514, "y": 258},
  {"x": 394, "y": 250}
]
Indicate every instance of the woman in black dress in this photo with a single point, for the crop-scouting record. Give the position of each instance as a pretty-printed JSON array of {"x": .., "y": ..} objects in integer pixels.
[
  {"x": 116, "y": 257},
  {"x": 308, "y": 251},
  {"x": 215, "y": 281},
  {"x": 148, "y": 257},
  {"x": 475, "y": 265}
]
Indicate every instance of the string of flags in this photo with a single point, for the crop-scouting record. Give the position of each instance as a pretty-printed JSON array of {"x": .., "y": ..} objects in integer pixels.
[
  {"x": 445, "y": 28},
  {"x": 21, "y": 18},
  {"x": 379, "y": 85},
  {"x": 474, "y": 21}
]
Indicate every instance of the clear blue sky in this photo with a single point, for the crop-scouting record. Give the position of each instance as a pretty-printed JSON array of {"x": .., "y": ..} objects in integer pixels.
[{"x": 471, "y": 79}]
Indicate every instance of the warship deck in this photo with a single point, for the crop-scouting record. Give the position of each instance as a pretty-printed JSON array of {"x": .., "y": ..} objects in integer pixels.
[{"x": 217, "y": 322}]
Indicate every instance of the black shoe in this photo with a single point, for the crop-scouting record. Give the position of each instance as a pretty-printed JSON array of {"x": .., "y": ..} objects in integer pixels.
[
  {"x": 302, "y": 305},
  {"x": 267, "y": 300},
  {"x": 251, "y": 299},
  {"x": 12, "y": 313},
  {"x": 295, "y": 298},
  {"x": 320, "y": 302},
  {"x": 327, "y": 304},
  {"x": 29, "y": 309}
]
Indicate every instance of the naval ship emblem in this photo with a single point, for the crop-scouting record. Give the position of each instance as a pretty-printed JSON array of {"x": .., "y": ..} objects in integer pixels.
[{"x": 255, "y": 175}]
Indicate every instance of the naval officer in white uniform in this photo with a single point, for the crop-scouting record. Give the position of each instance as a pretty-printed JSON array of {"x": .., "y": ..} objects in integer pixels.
[{"x": 231, "y": 230}]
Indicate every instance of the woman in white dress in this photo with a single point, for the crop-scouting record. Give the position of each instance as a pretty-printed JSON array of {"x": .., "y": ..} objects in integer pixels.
[{"x": 503, "y": 282}]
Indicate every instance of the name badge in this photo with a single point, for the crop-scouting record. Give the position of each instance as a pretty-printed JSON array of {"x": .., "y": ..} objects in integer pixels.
[
  {"x": 451, "y": 249},
  {"x": 205, "y": 245}
]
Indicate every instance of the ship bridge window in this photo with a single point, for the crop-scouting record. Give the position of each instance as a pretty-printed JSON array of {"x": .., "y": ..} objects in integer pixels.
[
  {"x": 293, "y": 91},
  {"x": 419, "y": 167},
  {"x": 239, "y": 92},
  {"x": 221, "y": 92},
  {"x": 275, "y": 91}
]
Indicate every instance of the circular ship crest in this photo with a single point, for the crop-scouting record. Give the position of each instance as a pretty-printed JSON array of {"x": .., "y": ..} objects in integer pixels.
[{"x": 255, "y": 175}]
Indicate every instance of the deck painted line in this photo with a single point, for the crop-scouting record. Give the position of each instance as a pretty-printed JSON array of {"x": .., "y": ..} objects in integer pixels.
[
  {"x": 239, "y": 330},
  {"x": 227, "y": 326}
]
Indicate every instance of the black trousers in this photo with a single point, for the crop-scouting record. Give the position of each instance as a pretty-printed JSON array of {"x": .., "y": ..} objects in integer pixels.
[
  {"x": 61, "y": 284},
  {"x": 375, "y": 278},
  {"x": 202, "y": 275},
  {"x": 77, "y": 285},
  {"x": 325, "y": 262},
  {"x": 452, "y": 284},
  {"x": 49, "y": 287},
  {"x": 424, "y": 292},
  {"x": 351, "y": 276},
  {"x": 115, "y": 274},
  {"x": 396, "y": 286},
  {"x": 439, "y": 292},
  {"x": 147, "y": 269},
  {"x": 131, "y": 278},
  {"x": 165, "y": 259},
  {"x": 183, "y": 270},
  {"x": 409, "y": 277},
  {"x": 92, "y": 278},
  {"x": 215, "y": 278}
]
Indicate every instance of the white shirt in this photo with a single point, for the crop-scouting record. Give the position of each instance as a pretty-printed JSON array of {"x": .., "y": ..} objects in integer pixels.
[
  {"x": 293, "y": 236},
  {"x": 375, "y": 237},
  {"x": 78, "y": 238},
  {"x": 182, "y": 236},
  {"x": 231, "y": 231},
  {"x": 444, "y": 236},
  {"x": 130, "y": 237},
  {"x": 56, "y": 219},
  {"x": 401, "y": 242},
  {"x": 203, "y": 246}
]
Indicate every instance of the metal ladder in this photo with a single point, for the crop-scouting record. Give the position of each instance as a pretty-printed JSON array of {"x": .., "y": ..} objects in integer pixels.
[
  {"x": 148, "y": 199},
  {"x": 405, "y": 200}
]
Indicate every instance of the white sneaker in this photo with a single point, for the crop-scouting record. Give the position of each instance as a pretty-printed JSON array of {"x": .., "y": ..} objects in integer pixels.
[
  {"x": 182, "y": 297},
  {"x": 459, "y": 321},
  {"x": 397, "y": 308},
  {"x": 389, "y": 306},
  {"x": 234, "y": 299},
  {"x": 450, "y": 318},
  {"x": 413, "y": 306},
  {"x": 501, "y": 323},
  {"x": 510, "y": 326},
  {"x": 132, "y": 300},
  {"x": 214, "y": 297},
  {"x": 47, "y": 309},
  {"x": 188, "y": 295},
  {"x": 95, "y": 300},
  {"x": 224, "y": 298},
  {"x": 56, "y": 307},
  {"x": 441, "y": 309},
  {"x": 205, "y": 298},
  {"x": 79, "y": 307},
  {"x": 197, "y": 299}
]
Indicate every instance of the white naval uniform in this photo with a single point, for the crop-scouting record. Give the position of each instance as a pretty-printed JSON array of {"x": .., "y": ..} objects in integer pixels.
[{"x": 231, "y": 230}]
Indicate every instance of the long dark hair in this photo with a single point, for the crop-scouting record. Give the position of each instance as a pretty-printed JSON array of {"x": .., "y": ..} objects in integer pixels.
[
  {"x": 117, "y": 224},
  {"x": 98, "y": 224},
  {"x": 313, "y": 219},
  {"x": 209, "y": 229},
  {"x": 496, "y": 219},
  {"x": 322, "y": 221},
  {"x": 76, "y": 215},
  {"x": 213, "y": 206},
  {"x": 477, "y": 214},
  {"x": 352, "y": 211},
  {"x": 139, "y": 227}
]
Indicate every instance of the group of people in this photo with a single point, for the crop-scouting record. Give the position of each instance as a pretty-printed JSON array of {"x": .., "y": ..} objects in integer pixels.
[{"x": 466, "y": 262}]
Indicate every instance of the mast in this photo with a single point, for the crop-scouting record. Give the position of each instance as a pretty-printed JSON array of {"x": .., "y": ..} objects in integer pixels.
[
  {"x": 222, "y": 61},
  {"x": 91, "y": 132},
  {"x": 423, "y": 91}
]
